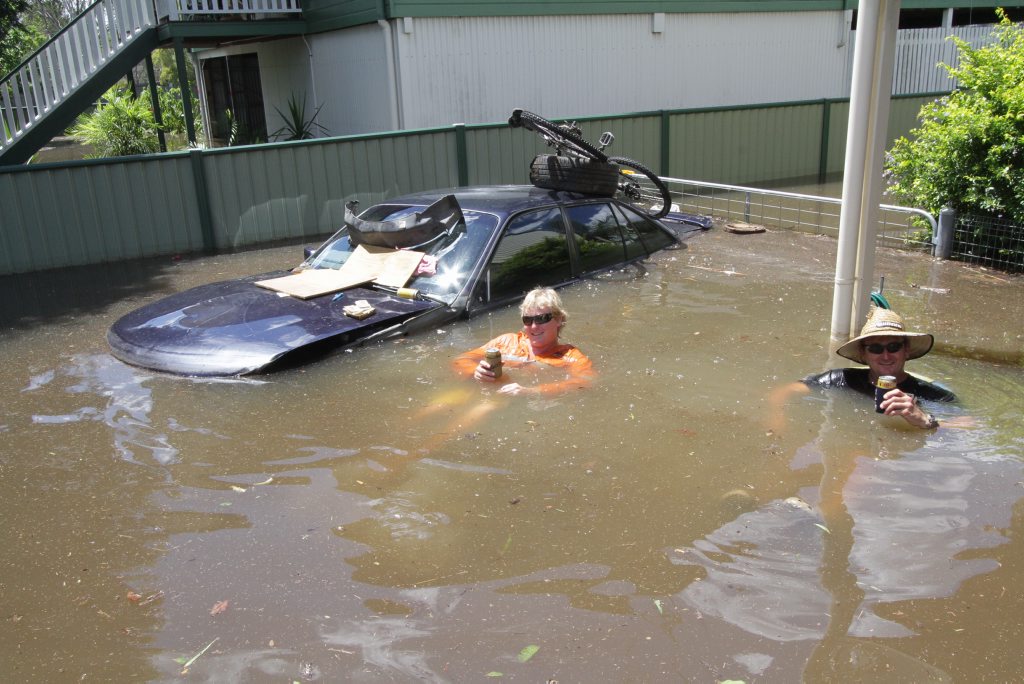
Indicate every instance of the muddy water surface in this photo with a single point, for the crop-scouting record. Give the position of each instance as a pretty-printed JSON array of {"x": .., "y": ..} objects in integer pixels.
[{"x": 363, "y": 518}]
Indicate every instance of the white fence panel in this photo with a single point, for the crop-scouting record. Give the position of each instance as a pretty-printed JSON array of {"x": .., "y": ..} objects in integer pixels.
[{"x": 919, "y": 53}]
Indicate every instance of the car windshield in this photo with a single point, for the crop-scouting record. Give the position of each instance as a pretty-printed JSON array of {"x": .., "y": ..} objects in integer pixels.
[{"x": 455, "y": 254}]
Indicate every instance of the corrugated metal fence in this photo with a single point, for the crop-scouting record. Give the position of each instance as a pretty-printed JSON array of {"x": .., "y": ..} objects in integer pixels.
[{"x": 56, "y": 215}]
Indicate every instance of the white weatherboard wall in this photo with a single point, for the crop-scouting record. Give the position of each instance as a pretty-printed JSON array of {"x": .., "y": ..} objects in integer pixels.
[
  {"x": 422, "y": 73},
  {"x": 478, "y": 69},
  {"x": 353, "y": 84},
  {"x": 427, "y": 72}
]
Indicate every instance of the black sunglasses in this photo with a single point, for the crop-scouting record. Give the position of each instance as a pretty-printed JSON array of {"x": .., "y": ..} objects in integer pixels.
[
  {"x": 891, "y": 347},
  {"x": 539, "y": 319}
]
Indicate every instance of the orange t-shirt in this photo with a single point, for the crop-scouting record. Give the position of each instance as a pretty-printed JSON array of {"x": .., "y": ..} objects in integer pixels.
[{"x": 517, "y": 356}]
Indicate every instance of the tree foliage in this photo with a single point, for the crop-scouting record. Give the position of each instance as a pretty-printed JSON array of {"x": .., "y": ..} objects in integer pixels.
[
  {"x": 50, "y": 16},
  {"x": 18, "y": 38},
  {"x": 9, "y": 12},
  {"x": 968, "y": 152},
  {"x": 26, "y": 24},
  {"x": 166, "y": 68},
  {"x": 172, "y": 110}
]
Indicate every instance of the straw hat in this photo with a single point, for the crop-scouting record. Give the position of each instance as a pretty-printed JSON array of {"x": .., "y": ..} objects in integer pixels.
[{"x": 886, "y": 323}]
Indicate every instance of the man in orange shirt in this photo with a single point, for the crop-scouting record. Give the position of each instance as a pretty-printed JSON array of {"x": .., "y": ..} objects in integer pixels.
[{"x": 534, "y": 351}]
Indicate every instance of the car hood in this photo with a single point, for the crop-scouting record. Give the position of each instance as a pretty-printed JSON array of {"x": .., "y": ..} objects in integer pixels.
[{"x": 235, "y": 327}]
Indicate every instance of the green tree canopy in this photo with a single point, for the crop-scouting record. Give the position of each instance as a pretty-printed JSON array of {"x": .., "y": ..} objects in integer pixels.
[
  {"x": 9, "y": 12},
  {"x": 17, "y": 40},
  {"x": 50, "y": 16},
  {"x": 968, "y": 152}
]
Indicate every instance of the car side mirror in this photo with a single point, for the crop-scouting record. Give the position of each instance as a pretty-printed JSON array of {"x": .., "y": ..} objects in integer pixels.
[{"x": 307, "y": 251}]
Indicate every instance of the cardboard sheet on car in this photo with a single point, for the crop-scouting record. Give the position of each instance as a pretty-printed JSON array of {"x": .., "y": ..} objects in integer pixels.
[{"x": 381, "y": 265}]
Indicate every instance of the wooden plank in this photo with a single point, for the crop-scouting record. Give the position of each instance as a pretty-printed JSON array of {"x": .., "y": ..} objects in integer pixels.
[{"x": 388, "y": 267}]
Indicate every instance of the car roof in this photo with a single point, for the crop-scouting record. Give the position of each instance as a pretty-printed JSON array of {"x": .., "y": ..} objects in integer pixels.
[{"x": 496, "y": 199}]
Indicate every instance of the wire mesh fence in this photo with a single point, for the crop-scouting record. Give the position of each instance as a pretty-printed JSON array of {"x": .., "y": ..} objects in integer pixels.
[
  {"x": 989, "y": 241},
  {"x": 899, "y": 227}
]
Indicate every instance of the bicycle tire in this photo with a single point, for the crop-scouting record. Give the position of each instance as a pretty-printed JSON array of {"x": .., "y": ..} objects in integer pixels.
[
  {"x": 555, "y": 135},
  {"x": 574, "y": 174},
  {"x": 654, "y": 202}
]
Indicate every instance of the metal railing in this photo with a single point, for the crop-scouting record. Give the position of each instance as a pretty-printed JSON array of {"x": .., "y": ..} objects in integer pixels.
[
  {"x": 62, "y": 65},
  {"x": 903, "y": 227},
  {"x": 177, "y": 10}
]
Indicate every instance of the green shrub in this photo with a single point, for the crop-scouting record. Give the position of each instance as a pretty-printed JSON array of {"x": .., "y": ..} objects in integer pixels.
[
  {"x": 968, "y": 152},
  {"x": 172, "y": 111},
  {"x": 120, "y": 125},
  {"x": 296, "y": 125}
]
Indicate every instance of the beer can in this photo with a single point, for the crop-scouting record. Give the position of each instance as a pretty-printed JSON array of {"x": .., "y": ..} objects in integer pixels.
[
  {"x": 407, "y": 292},
  {"x": 493, "y": 357},
  {"x": 883, "y": 385}
]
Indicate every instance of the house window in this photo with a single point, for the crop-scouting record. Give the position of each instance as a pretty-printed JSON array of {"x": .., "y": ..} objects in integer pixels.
[{"x": 234, "y": 99}]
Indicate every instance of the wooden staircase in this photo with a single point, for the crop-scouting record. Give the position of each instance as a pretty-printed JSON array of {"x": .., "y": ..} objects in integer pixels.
[
  {"x": 47, "y": 91},
  {"x": 51, "y": 88}
]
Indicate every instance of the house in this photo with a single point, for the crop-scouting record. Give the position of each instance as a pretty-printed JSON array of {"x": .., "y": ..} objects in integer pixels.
[{"x": 380, "y": 65}]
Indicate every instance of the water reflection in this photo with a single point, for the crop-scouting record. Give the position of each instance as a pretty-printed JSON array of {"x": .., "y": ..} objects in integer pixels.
[
  {"x": 361, "y": 523},
  {"x": 126, "y": 406}
]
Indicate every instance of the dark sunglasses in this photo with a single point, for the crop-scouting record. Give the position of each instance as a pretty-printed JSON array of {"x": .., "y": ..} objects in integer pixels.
[
  {"x": 539, "y": 319},
  {"x": 891, "y": 347}
]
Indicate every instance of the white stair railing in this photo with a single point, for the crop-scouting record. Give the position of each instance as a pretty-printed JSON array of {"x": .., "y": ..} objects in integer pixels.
[{"x": 67, "y": 61}]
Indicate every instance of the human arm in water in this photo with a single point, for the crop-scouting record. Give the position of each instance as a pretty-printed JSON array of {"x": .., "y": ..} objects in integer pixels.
[
  {"x": 576, "y": 364},
  {"x": 895, "y": 403},
  {"x": 573, "y": 361}
]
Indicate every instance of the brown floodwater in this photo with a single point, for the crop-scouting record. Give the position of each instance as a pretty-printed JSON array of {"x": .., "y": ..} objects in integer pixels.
[{"x": 363, "y": 519}]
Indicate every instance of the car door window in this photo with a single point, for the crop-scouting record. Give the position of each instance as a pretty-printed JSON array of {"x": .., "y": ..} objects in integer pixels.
[
  {"x": 532, "y": 251},
  {"x": 643, "y": 235},
  {"x": 598, "y": 236}
]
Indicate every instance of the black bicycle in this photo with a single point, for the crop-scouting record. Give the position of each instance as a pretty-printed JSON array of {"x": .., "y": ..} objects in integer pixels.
[{"x": 580, "y": 166}]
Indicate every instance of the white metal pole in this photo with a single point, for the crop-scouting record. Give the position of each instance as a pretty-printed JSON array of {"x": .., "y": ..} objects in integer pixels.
[
  {"x": 853, "y": 169},
  {"x": 877, "y": 137},
  {"x": 870, "y": 94}
]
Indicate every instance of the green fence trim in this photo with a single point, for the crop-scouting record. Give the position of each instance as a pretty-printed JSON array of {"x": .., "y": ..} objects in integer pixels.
[
  {"x": 826, "y": 121},
  {"x": 666, "y": 139},
  {"x": 461, "y": 155},
  {"x": 202, "y": 200}
]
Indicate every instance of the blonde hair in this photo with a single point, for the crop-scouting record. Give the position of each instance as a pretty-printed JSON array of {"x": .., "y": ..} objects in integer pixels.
[{"x": 544, "y": 298}]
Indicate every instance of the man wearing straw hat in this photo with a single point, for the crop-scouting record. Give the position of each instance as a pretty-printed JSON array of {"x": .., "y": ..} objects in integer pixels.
[{"x": 884, "y": 346}]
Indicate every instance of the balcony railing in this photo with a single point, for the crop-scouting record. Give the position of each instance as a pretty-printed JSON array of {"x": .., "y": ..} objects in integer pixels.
[{"x": 184, "y": 10}]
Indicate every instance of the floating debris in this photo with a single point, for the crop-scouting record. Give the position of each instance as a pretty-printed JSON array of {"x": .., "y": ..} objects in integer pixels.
[
  {"x": 742, "y": 228},
  {"x": 797, "y": 502}
]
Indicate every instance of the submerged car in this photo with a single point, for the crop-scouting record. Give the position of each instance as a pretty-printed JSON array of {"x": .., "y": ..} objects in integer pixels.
[{"x": 483, "y": 248}]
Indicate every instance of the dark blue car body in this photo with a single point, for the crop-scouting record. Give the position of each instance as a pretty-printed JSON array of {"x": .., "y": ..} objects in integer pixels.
[{"x": 512, "y": 238}]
